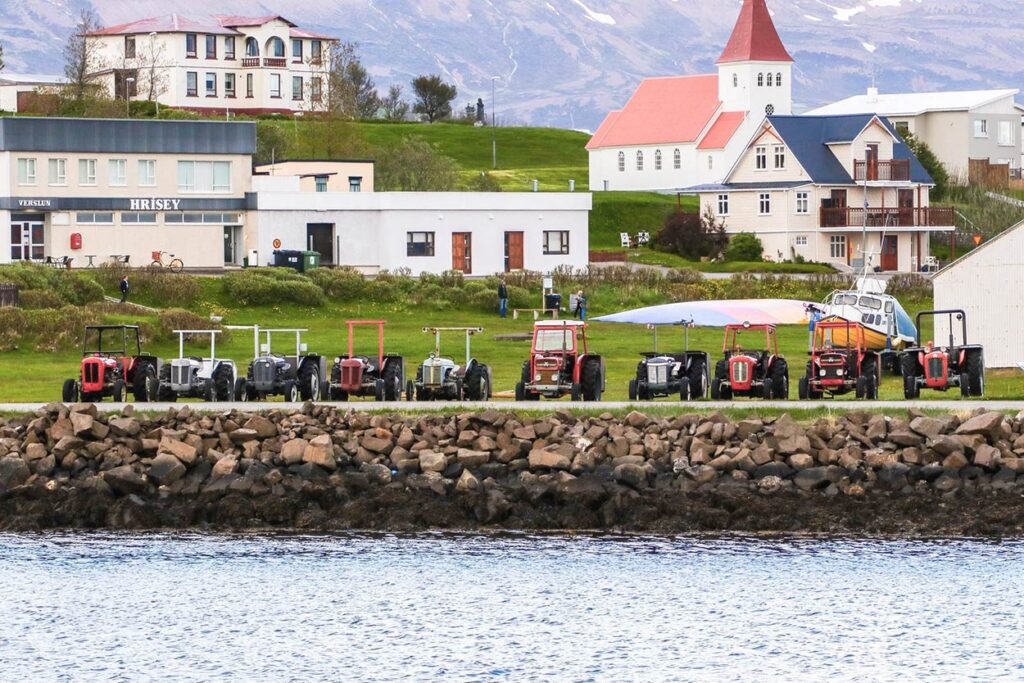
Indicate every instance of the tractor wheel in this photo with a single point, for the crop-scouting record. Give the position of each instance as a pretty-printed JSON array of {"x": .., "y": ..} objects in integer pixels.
[
  {"x": 871, "y": 372},
  {"x": 632, "y": 390},
  {"x": 392, "y": 382},
  {"x": 590, "y": 381},
  {"x": 410, "y": 391},
  {"x": 378, "y": 390},
  {"x": 209, "y": 392},
  {"x": 142, "y": 383},
  {"x": 460, "y": 390},
  {"x": 965, "y": 385},
  {"x": 716, "y": 389},
  {"x": 223, "y": 384},
  {"x": 164, "y": 394},
  {"x": 242, "y": 390},
  {"x": 685, "y": 390},
  {"x": 576, "y": 393},
  {"x": 309, "y": 382},
  {"x": 338, "y": 395},
  {"x": 70, "y": 392},
  {"x": 476, "y": 388},
  {"x": 119, "y": 392},
  {"x": 804, "y": 389},
  {"x": 862, "y": 387},
  {"x": 520, "y": 392},
  {"x": 698, "y": 377},
  {"x": 780, "y": 380},
  {"x": 291, "y": 392},
  {"x": 910, "y": 389},
  {"x": 976, "y": 372},
  {"x": 722, "y": 370},
  {"x": 726, "y": 393}
]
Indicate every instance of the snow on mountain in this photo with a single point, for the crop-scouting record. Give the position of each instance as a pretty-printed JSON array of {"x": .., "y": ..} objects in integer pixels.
[{"x": 567, "y": 62}]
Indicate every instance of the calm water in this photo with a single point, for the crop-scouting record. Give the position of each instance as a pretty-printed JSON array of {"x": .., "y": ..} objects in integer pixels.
[{"x": 470, "y": 608}]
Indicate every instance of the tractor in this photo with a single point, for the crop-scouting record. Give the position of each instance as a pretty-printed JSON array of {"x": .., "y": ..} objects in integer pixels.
[
  {"x": 441, "y": 378},
  {"x": 210, "y": 379},
  {"x": 840, "y": 363},
  {"x": 107, "y": 369},
  {"x": 380, "y": 377},
  {"x": 560, "y": 364},
  {"x": 299, "y": 376},
  {"x": 944, "y": 368},
  {"x": 668, "y": 374},
  {"x": 757, "y": 372}
]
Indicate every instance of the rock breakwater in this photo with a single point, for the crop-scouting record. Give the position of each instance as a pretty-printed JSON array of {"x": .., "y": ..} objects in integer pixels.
[{"x": 326, "y": 469}]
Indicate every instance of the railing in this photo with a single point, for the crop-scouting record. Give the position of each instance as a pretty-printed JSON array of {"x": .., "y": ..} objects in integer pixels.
[
  {"x": 854, "y": 217},
  {"x": 249, "y": 62},
  {"x": 895, "y": 170},
  {"x": 275, "y": 62},
  {"x": 8, "y": 295}
]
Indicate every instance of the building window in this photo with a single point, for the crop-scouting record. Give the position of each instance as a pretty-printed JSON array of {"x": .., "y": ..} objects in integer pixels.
[
  {"x": 837, "y": 246},
  {"x": 252, "y": 47},
  {"x": 622, "y": 162},
  {"x": 147, "y": 172},
  {"x": 315, "y": 51},
  {"x": 778, "y": 79},
  {"x": 639, "y": 161},
  {"x": 248, "y": 85},
  {"x": 275, "y": 85},
  {"x": 769, "y": 80},
  {"x": 803, "y": 203},
  {"x": 117, "y": 170},
  {"x": 735, "y": 80},
  {"x": 211, "y": 47},
  {"x": 297, "y": 50},
  {"x": 723, "y": 205},
  {"x": 211, "y": 84},
  {"x": 58, "y": 171},
  {"x": 980, "y": 128},
  {"x": 1006, "y": 133},
  {"x": 133, "y": 218},
  {"x": 229, "y": 47},
  {"x": 657, "y": 160},
  {"x": 105, "y": 218},
  {"x": 275, "y": 47},
  {"x": 556, "y": 242},
  {"x": 321, "y": 183},
  {"x": 420, "y": 244},
  {"x": 129, "y": 47},
  {"x": 190, "y": 45},
  {"x": 86, "y": 172},
  {"x": 800, "y": 240},
  {"x": 711, "y": 162},
  {"x": 192, "y": 84},
  {"x": 204, "y": 176},
  {"x": 780, "y": 156},
  {"x": 179, "y": 218},
  {"x": 761, "y": 158},
  {"x": 26, "y": 171},
  {"x": 677, "y": 159},
  {"x": 355, "y": 184},
  {"x": 760, "y": 80},
  {"x": 315, "y": 88},
  {"x": 296, "y": 87},
  {"x": 229, "y": 85},
  {"x": 764, "y": 204}
]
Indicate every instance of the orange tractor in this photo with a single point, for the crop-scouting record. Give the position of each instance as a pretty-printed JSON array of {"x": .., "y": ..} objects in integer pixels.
[
  {"x": 109, "y": 371},
  {"x": 381, "y": 376}
]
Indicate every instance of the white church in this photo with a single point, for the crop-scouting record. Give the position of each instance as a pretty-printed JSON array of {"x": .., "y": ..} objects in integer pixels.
[{"x": 682, "y": 131}]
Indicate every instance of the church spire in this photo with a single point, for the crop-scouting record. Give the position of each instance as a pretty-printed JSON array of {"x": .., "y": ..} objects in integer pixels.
[{"x": 754, "y": 39}]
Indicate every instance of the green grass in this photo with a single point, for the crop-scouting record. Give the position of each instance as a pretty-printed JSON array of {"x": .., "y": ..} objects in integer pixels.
[
  {"x": 659, "y": 258},
  {"x": 632, "y": 212}
]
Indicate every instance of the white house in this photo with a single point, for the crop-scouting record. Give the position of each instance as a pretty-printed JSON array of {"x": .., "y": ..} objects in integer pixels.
[
  {"x": 680, "y": 131},
  {"x": 15, "y": 87}
]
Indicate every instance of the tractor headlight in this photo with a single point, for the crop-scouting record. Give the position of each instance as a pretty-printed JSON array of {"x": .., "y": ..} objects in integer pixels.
[
  {"x": 554, "y": 378},
  {"x": 823, "y": 373},
  {"x": 337, "y": 360},
  {"x": 840, "y": 372},
  {"x": 538, "y": 377}
]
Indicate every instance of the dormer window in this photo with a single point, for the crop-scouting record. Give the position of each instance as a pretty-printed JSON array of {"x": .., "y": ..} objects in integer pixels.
[{"x": 760, "y": 80}]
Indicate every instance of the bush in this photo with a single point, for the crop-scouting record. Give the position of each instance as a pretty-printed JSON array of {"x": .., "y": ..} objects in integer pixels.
[
  {"x": 160, "y": 288},
  {"x": 179, "y": 319},
  {"x": 744, "y": 247},
  {"x": 45, "y": 330},
  {"x": 70, "y": 287},
  {"x": 685, "y": 276},
  {"x": 692, "y": 236},
  {"x": 339, "y": 284},
  {"x": 35, "y": 299},
  {"x": 269, "y": 287},
  {"x": 914, "y": 287}
]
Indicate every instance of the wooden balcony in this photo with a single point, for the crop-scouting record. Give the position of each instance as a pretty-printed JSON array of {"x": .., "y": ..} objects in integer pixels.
[
  {"x": 854, "y": 217},
  {"x": 892, "y": 171}
]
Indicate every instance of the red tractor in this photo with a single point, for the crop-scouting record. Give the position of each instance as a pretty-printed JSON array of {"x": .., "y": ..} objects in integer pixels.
[
  {"x": 759, "y": 372},
  {"x": 944, "y": 368},
  {"x": 108, "y": 371},
  {"x": 560, "y": 365},
  {"x": 380, "y": 377},
  {"x": 840, "y": 363}
]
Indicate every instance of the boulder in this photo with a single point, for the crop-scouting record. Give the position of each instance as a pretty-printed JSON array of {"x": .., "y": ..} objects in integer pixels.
[
  {"x": 264, "y": 428},
  {"x": 293, "y": 450},
  {"x": 637, "y": 420},
  {"x": 801, "y": 461},
  {"x": 929, "y": 427},
  {"x": 376, "y": 444},
  {"x": 702, "y": 474},
  {"x": 552, "y": 460},
  {"x": 631, "y": 475},
  {"x": 320, "y": 451},
  {"x": 13, "y": 472},
  {"x": 987, "y": 424},
  {"x": 468, "y": 458},
  {"x": 956, "y": 461},
  {"x": 987, "y": 456},
  {"x": 81, "y": 423},
  {"x": 166, "y": 469},
  {"x": 241, "y": 436},
  {"x": 224, "y": 467},
  {"x": 125, "y": 480},
  {"x": 526, "y": 433},
  {"x": 812, "y": 478},
  {"x": 431, "y": 461},
  {"x": 467, "y": 482},
  {"x": 179, "y": 449}
]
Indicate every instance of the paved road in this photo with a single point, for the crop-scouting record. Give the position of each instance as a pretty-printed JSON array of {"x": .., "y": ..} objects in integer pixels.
[{"x": 704, "y": 406}]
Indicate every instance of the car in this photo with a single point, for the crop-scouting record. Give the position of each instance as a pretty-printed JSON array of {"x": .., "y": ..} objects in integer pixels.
[
  {"x": 113, "y": 365},
  {"x": 942, "y": 368},
  {"x": 841, "y": 363},
  {"x": 380, "y": 377},
  {"x": 560, "y": 364},
  {"x": 210, "y": 379},
  {"x": 669, "y": 374},
  {"x": 441, "y": 378},
  {"x": 752, "y": 371},
  {"x": 302, "y": 376}
]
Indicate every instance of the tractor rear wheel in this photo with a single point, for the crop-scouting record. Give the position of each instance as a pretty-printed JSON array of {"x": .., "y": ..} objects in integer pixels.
[
  {"x": 476, "y": 388},
  {"x": 378, "y": 390},
  {"x": 872, "y": 373},
  {"x": 142, "y": 383},
  {"x": 392, "y": 382},
  {"x": 862, "y": 387},
  {"x": 698, "y": 377},
  {"x": 965, "y": 385},
  {"x": 716, "y": 389},
  {"x": 69, "y": 394},
  {"x": 685, "y": 390},
  {"x": 779, "y": 376},
  {"x": 223, "y": 384},
  {"x": 632, "y": 390},
  {"x": 309, "y": 381},
  {"x": 909, "y": 366},
  {"x": 590, "y": 380},
  {"x": 410, "y": 391},
  {"x": 576, "y": 393},
  {"x": 804, "y": 388},
  {"x": 520, "y": 392},
  {"x": 976, "y": 372},
  {"x": 119, "y": 392}
]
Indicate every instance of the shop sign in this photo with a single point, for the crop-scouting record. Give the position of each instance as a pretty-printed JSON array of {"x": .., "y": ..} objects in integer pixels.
[
  {"x": 35, "y": 203},
  {"x": 155, "y": 204}
]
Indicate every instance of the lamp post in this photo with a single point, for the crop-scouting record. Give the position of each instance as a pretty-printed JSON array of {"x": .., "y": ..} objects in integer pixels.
[
  {"x": 152, "y": 71},
  {"x": 128, "y": 81},
  {"x": 494, "y": 133}
]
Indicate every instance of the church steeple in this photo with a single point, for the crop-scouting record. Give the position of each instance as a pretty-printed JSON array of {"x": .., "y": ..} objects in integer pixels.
[{"x": 754, "y": 39}]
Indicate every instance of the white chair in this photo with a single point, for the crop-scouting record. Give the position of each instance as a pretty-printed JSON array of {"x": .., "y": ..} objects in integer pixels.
[
  {"x": 931, "y": 264},
  {"x": 625, "y": 240}
]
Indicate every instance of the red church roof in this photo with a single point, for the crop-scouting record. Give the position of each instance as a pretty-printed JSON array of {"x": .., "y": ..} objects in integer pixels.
[
  {"x": 722, "y": 130},
  {"x": 755, "y": 39}
]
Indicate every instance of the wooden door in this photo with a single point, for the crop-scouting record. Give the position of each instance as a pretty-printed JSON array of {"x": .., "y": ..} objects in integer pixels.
[
  {"x": 462, "y": 252},
  {"x": 906, "y": 203},
  {"x": 513, "y": 251},
  {"x": 872, "y": 159},
  {"x": 839, "y": 199},
  {"x": 890, "y": 253}
]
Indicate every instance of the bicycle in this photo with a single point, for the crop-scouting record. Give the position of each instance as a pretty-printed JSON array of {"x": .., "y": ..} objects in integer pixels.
[{"x": 175, "y": 265}]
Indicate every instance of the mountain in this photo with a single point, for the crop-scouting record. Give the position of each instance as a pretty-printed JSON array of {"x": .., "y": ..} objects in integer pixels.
[{"x": 566, "y": 63}]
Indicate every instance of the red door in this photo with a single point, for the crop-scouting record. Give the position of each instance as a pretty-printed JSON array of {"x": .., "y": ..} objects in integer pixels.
[
  {"x": 906, "y": 204},
  {"x": 890, "y": 253},
  {"x": 513, "y": 251},
  {"x": 462, "y": 256}
]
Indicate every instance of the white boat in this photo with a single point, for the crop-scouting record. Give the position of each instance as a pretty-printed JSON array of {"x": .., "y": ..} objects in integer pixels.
[{"x": 888, "y": 325}]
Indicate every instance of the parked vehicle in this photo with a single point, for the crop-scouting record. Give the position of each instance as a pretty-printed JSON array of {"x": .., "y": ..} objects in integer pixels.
[
  {"x": 755, "y": 372},
  {"x": 302, "y": 375},
  {"x": 840, "y": 363},
  {"x": 560, "y": 364},
  {"x": 944, "y": 367},
  {"x": 441, "y": 378},
  {"x": 113, "y": 364},
  {"x": 210, "y": 379},
  {"x": 380, "y": 377},
  {"x": 669, "y": 374}
]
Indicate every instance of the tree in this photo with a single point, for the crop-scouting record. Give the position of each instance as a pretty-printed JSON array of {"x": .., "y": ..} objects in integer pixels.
[
  {"x": 415, "y": 166},
  {"x": 152, "y": 75},
  {"x": 484, "y": 182},
  {"x": 394, "y": 107},
  {"x": 930, "y": 162},
  {"x": 271, "y": 143},
  {"x": 693, "y": 236},
  {"x": 744, "y": 247},
  {"x": 81, "y": 57},
  {"x": 433, "y": 97},
  {"x": 326, "y": 138},
  {"x": 351, "y": 92}
]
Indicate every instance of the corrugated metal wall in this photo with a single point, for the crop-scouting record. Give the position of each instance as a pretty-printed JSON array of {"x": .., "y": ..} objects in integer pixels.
[{"x": 126, "y": 136}]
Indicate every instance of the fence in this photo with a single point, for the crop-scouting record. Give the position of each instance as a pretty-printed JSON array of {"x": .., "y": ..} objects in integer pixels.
[
  {"x": 8, "y": 295},
  {"x": 607, "y": 256},
  {"x": 993, "y": 176}
]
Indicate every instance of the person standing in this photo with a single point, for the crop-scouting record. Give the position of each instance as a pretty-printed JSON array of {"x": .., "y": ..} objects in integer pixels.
[
  {"x": 125, "y": 288},
  {"x": 502, "y": 298},
  {"x": 581, "y": 305}
]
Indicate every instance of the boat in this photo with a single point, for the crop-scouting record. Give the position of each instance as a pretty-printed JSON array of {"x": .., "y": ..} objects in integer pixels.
[{"x": 888, "y": 326}]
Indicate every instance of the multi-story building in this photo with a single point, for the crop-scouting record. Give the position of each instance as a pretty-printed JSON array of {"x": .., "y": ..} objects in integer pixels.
[{"x": 215, "y": 63}]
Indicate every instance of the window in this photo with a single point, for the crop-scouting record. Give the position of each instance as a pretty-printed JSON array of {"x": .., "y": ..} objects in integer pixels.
[
  {"x": 86, "y": 172},
  {"x": 778, "y": 79},
  {"x": 800, "y": 240},
  {"x": 229, "y": 47},
  {"x": 760, "y": 158},
  {"x": 204, "y": 176},
  {"x": 780, "y": 156},
  {"x": 58, "y": 171},
  {"x": 315, "y": 51},
  {"x": 420, "y": 244},
  {"x": 622, "y": 162},
  {"x": 297, "y": 50},
  {"x": 95, "y": 217},
  {"x": 129, "y": 47},
  {"x": 211, "y": 84},
  {"x": 639, "y": 161},
  {"x": 117, "y": 170},
  {"x": 275, "y": 47},
  {"x": 296, "y": 87},
  {"x": 760, "y": 80},
  {"x": 275, "y": 85},
  {"x": 248, "y": 85},
  {"x": 190, "y": 45},
  {"x": 723, "y": 205},
  {"x": 197, "y": 218},
  {"x": 191, "y": 84},
  {"x": 252, "y": 47},
  {"x": 677, "y": 159},
  {"x": 837, "y": 246},
  {"x": 147, "y": 172},
  {"x": 355, "y": 184},
  {"x": 735, "y": 80},
  {"x": 229, "y": 85},
  {"x": 321, "y": 183},
  {"x": 1006, "y": 133},
  {"x": 556, "y": 242},
  {"x": 211, "y": 47},
  {"x": 711, "y": 162},
  {"x": 764, "y": 204},
  {"x": 980, "y": 128},
  {"x": 769, "y": 80},
  {"x": 657, "y": 160},
  {"x": 803, "y": 203},
  {"x": 26, "y": 171},
  {"x": 315, "y": 88},
  {"x": 138, "y": 218}
]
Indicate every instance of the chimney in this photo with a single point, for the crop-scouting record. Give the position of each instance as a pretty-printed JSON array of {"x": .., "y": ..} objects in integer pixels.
[{"x": 872, "y": 94}]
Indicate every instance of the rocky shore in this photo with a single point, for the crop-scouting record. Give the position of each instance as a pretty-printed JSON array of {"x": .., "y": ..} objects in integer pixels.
[{"x": 326, "y": 469}]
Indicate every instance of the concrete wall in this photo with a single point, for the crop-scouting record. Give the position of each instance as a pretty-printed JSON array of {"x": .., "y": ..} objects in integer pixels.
[{"x": 338, "y": 173}]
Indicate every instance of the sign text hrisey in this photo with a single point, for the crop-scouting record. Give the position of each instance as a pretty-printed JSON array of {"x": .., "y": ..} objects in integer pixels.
[{"x": 155, "y": 204}]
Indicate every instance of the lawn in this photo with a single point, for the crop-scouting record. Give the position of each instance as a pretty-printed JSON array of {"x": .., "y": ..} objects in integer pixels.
[
  {"x": 631, "y": 212},
  {"x": 659, "y": 258}
]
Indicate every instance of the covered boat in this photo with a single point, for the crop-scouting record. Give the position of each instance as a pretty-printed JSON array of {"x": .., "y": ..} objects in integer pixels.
[{"x": 888, "y": 326}]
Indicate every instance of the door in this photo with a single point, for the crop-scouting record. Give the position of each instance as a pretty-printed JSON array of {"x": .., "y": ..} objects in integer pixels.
[
  {"x": 28, "y": 241},
  {"x": 872, "y": 159},
  {"x": 462, "y": 252},
  {"x": 232, "y": 245},
  {"x": 513, "y": 251},
  {"x": 836, "y": 216},
  {"x": 906, "y": 204},
  {"x": 890, "y": 253},
  {"x": 320, "y": 238}
]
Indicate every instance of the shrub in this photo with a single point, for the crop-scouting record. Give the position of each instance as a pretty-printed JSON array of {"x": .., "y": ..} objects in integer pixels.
[
  {"x": 270, "y": 286},
  {"x": 914, "y": 287},
  {"x": 45, "y": 330},
  {"x": 692, "y": 236},
  {"x": 744, "y": 247},
  {"x": 71, "y": 287},
  {"x": 180, "y": 319},
  {"x": 35, "y": 299},
  {"x": 161, "y": 288},
  {"x": 339, "y": 284},
  {"x": 684, "y": 276}
]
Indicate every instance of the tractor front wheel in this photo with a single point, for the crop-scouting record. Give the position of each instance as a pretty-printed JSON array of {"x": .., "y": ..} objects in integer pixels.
[
  {"x": 143, "y": 383},
  {"x": 632, "y": 390},
  {"x": 410, "y": 391},
  {"x": 976, "y": 372},
  {"x": 804, "y": 389},
  {"x": 780, "y": 380},
  {"x": 70, "y": 392},
  {"x": 164, "y": 393},
  {"x": 476, "y": 387},
  {"x": 291, "y": 392},
  {"x": 309, "y": 382},
  {"x": 910, "y": 389},
  {"x": 119, "y": 392},
  {"x": 591, "y": 381},
  {"x": 242, "y": 390},
  {"x": 520, "y": 392}
]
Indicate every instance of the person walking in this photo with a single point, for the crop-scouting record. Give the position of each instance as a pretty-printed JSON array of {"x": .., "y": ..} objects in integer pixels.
[
  {"x": 502, "y": 298},
  {"x": 581, "y": 305},
  {"x": 125, "y": 288}
]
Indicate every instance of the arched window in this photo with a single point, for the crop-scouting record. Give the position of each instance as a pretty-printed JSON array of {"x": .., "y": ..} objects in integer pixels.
[
  {"x": 711, "y": 162},
  {"x": 275, "y": 47},
  {"x": 657, "y": 160},
  {"x": 677, "y": 160},
  {"x": 760, "y": 80},
  {"x": 770, "y": 80},
  {"x": 735, "y": 80},
  {"x": 778, "y": 79},
  {"x": 252, "y": 47},
  {"x": 622, "y": 162},
  {"x": 639, "y": 161}
]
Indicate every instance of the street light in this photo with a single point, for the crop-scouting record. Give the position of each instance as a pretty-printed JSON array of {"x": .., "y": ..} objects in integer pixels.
[
  {"x": 494, "y": 133},
  {"x": 128, "y": 96}
]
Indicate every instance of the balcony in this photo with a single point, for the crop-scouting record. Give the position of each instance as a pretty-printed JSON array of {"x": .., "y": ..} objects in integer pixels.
[
  {"x": 267, "y": 62},
  {"x": 892, "y": 171},
  {"x": 850, "y": 217}
]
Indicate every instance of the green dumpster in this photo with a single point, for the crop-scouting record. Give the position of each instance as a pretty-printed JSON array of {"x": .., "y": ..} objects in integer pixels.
[{"x": 310, "y": 260}]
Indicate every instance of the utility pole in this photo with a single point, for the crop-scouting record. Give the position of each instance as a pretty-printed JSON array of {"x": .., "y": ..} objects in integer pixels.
[
  {"x": 494, "y": 133},
  {"x": 128, "y": 82}
]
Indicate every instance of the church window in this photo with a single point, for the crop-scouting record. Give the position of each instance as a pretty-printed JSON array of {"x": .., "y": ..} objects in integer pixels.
[
  {"x": 677, "y": 160},
  {"x": 735, "y": 80},
  {"x": 657, "y": 160},
  {"x": 622, "y": 162},
  {"x": 639, "y": 161},
  {"x": 760, "y": 80},
  {"x": 778, "y": 79},
  {"x": 770, "y": 80}
]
